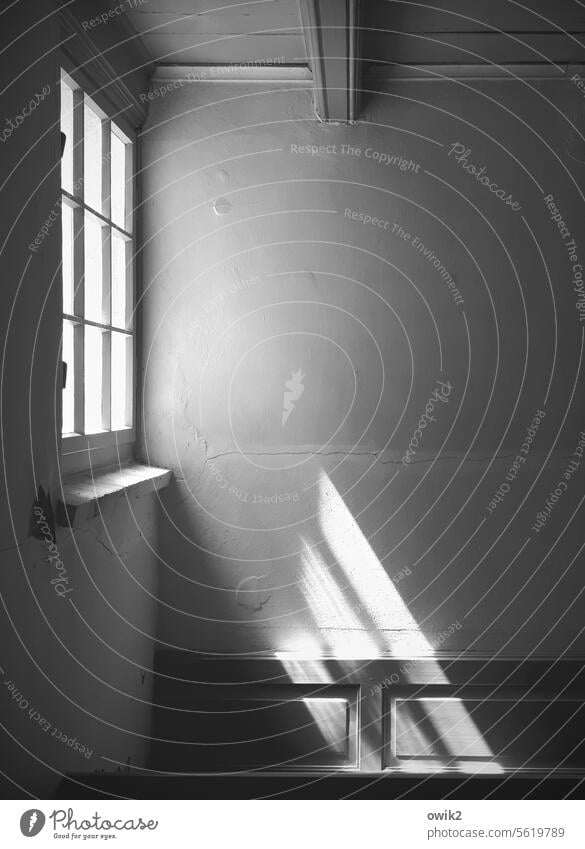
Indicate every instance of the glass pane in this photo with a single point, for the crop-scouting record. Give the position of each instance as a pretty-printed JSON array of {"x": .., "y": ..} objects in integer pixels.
[
  {"x": 120, "y": 272},
  {"x": 69, "y": 390},
  {"x": 118, "y": 178},
  {"x": 93, "y": 381},
  {"x": 93, "y": 272},
  {"x": 67, "y": 128},
  {"x": 121, "y": 383},
  {"x": 92, "y": 158},
  {"x": 67, "y": 268}
]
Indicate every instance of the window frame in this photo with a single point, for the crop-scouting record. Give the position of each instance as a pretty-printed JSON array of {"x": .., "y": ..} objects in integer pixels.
[{"x": 79, "y": 451}]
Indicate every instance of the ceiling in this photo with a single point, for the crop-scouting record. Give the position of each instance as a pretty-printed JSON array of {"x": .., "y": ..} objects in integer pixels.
[
  {"x": 473, "y": 31},
  {"x": 218, "y": 32},
  {"x": 341, "y": 40}
]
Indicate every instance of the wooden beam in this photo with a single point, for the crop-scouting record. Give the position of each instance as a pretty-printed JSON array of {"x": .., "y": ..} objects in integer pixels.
[{"x": 331, "y": 29}]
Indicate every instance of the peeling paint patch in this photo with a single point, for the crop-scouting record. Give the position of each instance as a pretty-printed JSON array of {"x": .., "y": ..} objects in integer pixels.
[{"x": 250, "y": 594}]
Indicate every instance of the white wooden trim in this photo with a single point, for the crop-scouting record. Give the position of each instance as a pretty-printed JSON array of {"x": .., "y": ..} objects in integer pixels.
[
  {"x": 84, "y": 53},
  {"x": 195, "y": 74},
  {"x": 334, "y": 61},
  {"x": 432, "y": 72}
]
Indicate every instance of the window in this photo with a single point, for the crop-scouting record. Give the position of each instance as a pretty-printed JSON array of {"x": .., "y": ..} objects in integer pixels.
[{"x": 98, "y": 283}]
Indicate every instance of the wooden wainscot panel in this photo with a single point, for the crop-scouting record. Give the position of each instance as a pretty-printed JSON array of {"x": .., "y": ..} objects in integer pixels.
[
  {"x": 489, "y": 731},
  {"x": 278, "y": 727}
]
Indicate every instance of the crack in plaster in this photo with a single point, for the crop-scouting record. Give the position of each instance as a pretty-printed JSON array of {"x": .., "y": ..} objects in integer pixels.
[{"x": 350, "y": 453}]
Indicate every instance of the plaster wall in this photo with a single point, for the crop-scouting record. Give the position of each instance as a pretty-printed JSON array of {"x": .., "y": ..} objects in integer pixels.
[{"x": 259, "y": 261}]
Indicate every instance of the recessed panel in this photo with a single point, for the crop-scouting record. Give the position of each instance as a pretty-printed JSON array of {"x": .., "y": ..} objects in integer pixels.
[
  {"x": 286, "y": 732},
  {"x": 534, "y": 733}
]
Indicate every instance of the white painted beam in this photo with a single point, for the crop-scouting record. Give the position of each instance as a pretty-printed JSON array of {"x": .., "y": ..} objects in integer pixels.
[{"x": 331, "y": 29}]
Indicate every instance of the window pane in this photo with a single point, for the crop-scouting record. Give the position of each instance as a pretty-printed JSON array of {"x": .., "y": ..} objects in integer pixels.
[
  {"x": 93, "y": 381},
  {"x": 121, "y": 383},
  {"x": 118, "y": 179},
  {"x": 94, "y": 271},
  {"x": 120, "y": 275},
  {"x": 92, "y": 158},
  {"x": 67, "y": 268},
  {"x": 67, "y": 128},
  {"x": 69, "y": 391}
]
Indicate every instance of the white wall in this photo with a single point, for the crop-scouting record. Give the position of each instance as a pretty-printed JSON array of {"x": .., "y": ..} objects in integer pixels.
[{"x": 284, "y": 280}]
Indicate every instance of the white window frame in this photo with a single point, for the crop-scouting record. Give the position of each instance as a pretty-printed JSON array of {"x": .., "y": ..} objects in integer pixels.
[{"x": 81, "y": 451}]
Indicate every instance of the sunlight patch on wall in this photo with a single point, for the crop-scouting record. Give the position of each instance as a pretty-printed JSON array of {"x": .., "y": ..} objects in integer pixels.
[
  {"x": 367, "y": 587},
  {"x": 341, "y": 629}
]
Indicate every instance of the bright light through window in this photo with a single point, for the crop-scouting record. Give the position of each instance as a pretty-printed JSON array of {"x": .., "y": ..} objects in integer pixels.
[
  {"x": 94, "y": 235},
  {"x": 92, "y": 158},
  {"x": 68, "y": 399},
  {"x": 98, "y": 251},
  {"x": 93, "y": 383},
  {"x": 68, "y": 284},
  {"x": 121, "y": 378},
  {"x": 118, "y": 179},
  {"x": 67, "y": 128},
  {"x": 120, "y": 299}
]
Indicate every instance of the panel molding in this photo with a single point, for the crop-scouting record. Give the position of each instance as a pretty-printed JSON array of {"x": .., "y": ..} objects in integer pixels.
[
  {"x": 238, "y": 72},
  {"x": 183, "y": 677},
  {"x": 270, "y": 726},
  {"x": 433, "y": 72},
  {"x": 476, "y": 755}
]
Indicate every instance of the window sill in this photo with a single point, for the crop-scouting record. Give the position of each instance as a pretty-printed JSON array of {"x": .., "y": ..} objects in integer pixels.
[{"x": 83, "y": 495}]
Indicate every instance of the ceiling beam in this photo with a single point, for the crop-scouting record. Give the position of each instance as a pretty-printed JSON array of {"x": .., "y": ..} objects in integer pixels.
[{"x": 331, "y": 30}]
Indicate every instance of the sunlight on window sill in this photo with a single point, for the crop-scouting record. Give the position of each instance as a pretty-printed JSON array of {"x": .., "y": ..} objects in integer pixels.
[{"x": 81, "y": 493}]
